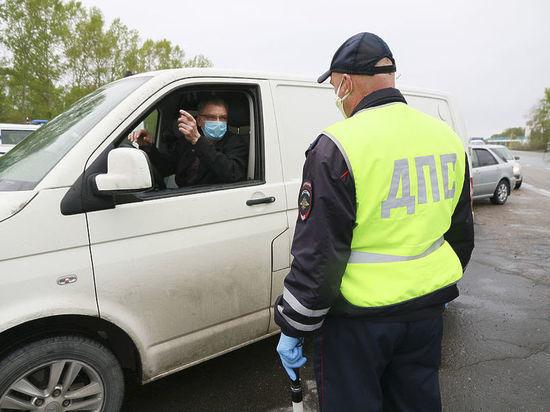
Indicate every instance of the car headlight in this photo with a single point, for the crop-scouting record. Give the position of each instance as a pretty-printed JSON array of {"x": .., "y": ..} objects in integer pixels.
[{"x": 516, "y": 170}]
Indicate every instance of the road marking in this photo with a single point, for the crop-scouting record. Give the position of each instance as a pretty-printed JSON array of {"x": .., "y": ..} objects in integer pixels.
[{"x": 536, "y": 189}]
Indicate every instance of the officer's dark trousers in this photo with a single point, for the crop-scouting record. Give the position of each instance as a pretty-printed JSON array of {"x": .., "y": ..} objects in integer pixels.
[{"x": 374, "y": 366}]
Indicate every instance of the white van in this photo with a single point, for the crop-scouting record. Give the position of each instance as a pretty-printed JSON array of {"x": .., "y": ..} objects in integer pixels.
[
  {"x": 98, "y": 272},
  {"x": 13, "y": 133}
]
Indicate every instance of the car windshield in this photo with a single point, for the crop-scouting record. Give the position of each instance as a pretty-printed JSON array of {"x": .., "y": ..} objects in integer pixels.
[
  {"x": 503, "y": 153},
  {"x": 23, "y": 167}
]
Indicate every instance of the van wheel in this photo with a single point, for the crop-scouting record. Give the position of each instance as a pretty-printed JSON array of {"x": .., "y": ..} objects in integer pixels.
[
  {"x": 62, "y": 373},
  {"x": 501, "y": 193}
]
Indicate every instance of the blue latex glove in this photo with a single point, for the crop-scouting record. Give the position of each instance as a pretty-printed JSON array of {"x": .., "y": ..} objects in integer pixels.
[{"x": 290, "y": 351}]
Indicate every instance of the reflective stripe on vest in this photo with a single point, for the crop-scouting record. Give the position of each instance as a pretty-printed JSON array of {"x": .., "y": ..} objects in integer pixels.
[
  {"x": 408, "y": 170},
  {"x": 366, "y": 257}
]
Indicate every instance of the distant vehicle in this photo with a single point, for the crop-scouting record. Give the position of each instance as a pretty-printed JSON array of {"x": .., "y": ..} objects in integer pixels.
[
  {"x": 507, "y": 156},
  {"x": 492, "y": 176},
  {"x": 477, "y": 140},
  {"x": 37, "y": 121},
  {"x": 11, "y": 134}
]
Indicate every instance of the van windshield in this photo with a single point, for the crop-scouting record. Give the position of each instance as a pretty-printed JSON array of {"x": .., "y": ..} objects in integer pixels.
[{"x": 23, "y": 167}]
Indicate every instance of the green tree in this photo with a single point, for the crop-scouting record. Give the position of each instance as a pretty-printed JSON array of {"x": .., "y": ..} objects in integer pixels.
[
  {"x": 511, "y": 131},
  {"x": 53, "y": 52},
  {"x": 6, "y": 108},
  {"x": 31, "y": 32},
  {"x": 96, "y": 55},
  {"x": 159, "y": 55},
  {"x": 198, "y": 61},
  {"x": 540, "y": 121},
  {"x": 79, "y": 46},
  {"x": 87, "y": 52},
  {"x": 124, "y": 46}
]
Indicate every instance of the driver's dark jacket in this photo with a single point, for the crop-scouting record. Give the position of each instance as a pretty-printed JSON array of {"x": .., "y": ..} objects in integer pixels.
[
  {"x": 322, "y": 243},
  {"x": 203, "y": 163}
]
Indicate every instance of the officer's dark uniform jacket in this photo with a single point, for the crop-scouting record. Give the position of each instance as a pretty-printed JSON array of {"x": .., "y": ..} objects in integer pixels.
[
  {"x": 203, "y": 163},
  {"x": 322, "y": 243}
]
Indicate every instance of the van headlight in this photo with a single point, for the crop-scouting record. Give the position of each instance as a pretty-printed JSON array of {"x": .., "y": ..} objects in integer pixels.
[{"x": 517, "y": 170}]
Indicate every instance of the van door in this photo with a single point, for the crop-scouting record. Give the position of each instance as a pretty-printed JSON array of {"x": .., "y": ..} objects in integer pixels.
[
  {"x": 188, "y": 272},
  {"x": 298, "y": 127}
]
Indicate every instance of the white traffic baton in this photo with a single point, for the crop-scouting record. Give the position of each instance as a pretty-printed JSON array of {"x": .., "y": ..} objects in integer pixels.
[{"x": 296, "y": 389}]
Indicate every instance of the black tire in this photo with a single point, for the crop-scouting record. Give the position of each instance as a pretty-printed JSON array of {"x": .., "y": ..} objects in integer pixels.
[
  {"x": 518, "y": 184},
  {"x": 94, "y": 366},
  {"x": 502, "y": 192}
]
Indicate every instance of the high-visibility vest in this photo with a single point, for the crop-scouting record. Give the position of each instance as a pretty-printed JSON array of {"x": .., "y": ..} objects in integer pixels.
[{"x": 409, "y": 170}]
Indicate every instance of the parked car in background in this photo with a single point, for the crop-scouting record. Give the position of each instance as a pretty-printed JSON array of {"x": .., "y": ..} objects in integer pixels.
[
  {"x": 12, "y": 133},
  {"x": 507, "y": 156},
  {"x": 477, "y": 140},
  {"x": 492, "y": 176}
]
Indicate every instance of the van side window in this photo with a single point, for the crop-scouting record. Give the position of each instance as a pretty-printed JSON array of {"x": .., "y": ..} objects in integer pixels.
[
  {"x": 151, "y": 123},
  {"x": 222, "y": 158}
]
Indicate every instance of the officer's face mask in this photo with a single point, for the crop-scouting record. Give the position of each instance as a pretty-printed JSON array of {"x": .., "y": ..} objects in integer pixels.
[
  {"x": 214, "y": 129},
  {"x": 340, "y": 100}
]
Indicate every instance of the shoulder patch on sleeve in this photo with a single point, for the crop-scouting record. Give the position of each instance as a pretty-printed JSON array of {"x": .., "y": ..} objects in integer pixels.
[{"x": 305, "y": 199}]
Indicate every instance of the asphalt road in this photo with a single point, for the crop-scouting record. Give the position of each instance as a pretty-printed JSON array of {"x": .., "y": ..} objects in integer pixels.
[
  {"x": 496, "y": 346},
  {"x": 535, "y": 169},
  {"x": 496, "y": 349}
]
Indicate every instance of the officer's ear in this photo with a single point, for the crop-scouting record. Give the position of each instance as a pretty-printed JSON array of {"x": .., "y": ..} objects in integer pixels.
[{"x": 347, "y": 85}]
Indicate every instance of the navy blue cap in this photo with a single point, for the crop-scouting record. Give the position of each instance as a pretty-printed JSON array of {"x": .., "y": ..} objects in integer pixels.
[{"x": 358, "y": 55}]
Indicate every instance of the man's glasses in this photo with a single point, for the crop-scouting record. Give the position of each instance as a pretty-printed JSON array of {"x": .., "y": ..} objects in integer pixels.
[{"x": 213, "y": 117}]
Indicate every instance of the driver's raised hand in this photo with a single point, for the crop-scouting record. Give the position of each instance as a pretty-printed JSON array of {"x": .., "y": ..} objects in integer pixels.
[{"x": 188, "y": 126}]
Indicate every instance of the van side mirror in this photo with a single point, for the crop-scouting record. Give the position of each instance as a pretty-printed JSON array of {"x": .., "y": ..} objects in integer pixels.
[
  {"x": 516, "y": 157},
  {"x": 128, "y": 171}
]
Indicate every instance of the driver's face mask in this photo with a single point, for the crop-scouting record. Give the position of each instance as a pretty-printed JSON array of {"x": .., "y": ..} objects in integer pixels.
[{"x": 215, "y": 129}]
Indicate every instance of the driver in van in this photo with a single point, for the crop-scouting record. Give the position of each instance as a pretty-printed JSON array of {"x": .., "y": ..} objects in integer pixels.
[{"x": 208, "y": 154}]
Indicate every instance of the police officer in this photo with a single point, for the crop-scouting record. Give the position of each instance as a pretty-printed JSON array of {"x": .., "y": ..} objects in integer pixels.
[{"x": 384, "y": 233}]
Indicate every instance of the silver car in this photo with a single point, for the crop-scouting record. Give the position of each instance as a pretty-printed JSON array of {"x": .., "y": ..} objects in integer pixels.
[
  {"x": 507, "y": 156},
  {"x": 492, "y": 176}
]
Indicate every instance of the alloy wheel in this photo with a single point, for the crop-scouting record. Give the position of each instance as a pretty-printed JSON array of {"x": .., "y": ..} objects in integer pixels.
[{"x": 57, "y": 386}]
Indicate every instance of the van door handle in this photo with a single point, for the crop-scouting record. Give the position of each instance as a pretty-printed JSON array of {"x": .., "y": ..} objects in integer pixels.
[{"x": 252, "y": 202}]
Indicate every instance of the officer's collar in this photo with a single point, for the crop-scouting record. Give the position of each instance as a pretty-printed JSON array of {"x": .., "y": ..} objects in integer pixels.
[{"x": 378, "y": 98}]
